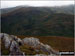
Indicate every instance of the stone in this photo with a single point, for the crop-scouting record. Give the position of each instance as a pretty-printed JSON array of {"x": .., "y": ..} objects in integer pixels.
[
  {"x": 31, "y": 41},
  {"x": 13, "y": 43}
]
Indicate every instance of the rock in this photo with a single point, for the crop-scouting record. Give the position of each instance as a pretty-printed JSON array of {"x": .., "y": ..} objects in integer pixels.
[
  {"x": 41, "y": 55},
  {"x": 14, "y": 46},
  {"x": 6, "y": 40},
  {"x": 13, "y": 37},
  {"x": 1, "y": 35},
  {"x": 23, "y": 54},
  {"x": 36, "y": 43},
  {"x": 47, "y": 48},
  {"x": 31, "y": 41},
  {"x": 13, "y": 43}
]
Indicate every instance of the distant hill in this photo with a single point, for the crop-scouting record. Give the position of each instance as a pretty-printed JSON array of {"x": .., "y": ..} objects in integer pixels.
[
  {"x": 39, "y": 21},
  {"x": 7, "y": 10},
  {"x": 58, "y": 9}
]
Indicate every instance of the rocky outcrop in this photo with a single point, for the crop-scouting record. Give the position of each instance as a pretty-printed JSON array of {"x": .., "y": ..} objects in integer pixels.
[
  {"x": 13, "y": 43},
  {"x": 34, "y": 42}
]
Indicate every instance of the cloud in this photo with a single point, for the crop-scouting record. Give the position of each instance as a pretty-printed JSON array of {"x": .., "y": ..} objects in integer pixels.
[{"x": 6, "y": 4}]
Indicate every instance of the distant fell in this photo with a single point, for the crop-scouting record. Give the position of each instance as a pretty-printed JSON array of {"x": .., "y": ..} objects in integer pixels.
[{"x": 39, "y": 21}]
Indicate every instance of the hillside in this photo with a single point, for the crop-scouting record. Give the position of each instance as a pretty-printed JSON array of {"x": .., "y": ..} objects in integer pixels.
[{"x": 37, "y": 21}]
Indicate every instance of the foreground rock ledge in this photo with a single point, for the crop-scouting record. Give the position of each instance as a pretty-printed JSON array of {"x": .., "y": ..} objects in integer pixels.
[{"x": 13, "y": 43}]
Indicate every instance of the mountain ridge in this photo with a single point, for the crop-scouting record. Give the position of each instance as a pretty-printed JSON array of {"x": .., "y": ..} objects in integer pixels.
[
  {"x": 38, "y": 21},
  {"x": 54, "y": 8}
]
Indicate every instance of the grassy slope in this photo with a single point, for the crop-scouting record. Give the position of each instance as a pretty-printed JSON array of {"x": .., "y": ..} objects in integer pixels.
[
  {"x": 58, "y": 43},
  {"x": 37, "y": 22}
]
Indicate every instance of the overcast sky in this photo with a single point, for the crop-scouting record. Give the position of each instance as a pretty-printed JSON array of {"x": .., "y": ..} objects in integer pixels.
[{"x": 6, "y": 4}]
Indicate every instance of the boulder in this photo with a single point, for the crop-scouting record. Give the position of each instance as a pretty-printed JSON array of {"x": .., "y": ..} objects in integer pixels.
[
  {"x": 31, "y": 41},
  {"x": 7, "y": 40},
  {"x": 11, "y": 42}
]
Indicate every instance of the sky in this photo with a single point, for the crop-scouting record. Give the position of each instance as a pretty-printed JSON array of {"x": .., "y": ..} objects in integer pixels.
[{"x": 6, "y": 4}]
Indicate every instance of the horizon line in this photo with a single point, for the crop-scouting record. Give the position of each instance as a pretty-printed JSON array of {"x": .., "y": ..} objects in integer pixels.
[{"x": 36, "y": 6}]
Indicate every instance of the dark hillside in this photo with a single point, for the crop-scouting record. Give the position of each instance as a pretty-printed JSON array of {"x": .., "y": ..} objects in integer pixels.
[{"x": 32, "y": 21}]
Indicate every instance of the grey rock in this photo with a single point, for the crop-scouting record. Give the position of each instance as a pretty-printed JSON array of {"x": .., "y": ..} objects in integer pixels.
[
  {"x": 31, "y": 41},
  {"x": 13, "y": 42}
]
